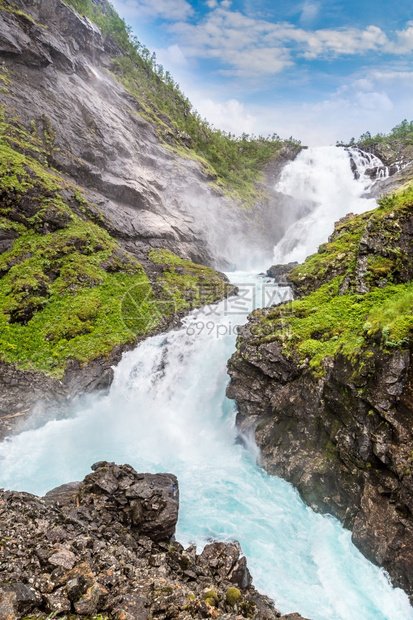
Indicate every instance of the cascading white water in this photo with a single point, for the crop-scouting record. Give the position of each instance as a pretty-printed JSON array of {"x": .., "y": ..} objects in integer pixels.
[
  {"x": 167, "y": 411},
  {"x": 322, "y": 178}
]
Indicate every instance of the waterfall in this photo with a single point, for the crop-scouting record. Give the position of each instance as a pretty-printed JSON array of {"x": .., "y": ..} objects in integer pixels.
[
  {"x": 331, "y": 182},
  {"x": 167, "y": 411}
]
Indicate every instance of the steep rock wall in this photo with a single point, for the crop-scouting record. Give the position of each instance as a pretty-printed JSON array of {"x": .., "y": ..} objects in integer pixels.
[{"x": 57, "y": 78}]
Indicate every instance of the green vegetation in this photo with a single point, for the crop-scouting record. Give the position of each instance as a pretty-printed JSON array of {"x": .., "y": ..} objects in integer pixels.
[
  {"x": 338, "y": 257},
  {"x": 330, "y": 319},
  {"x": 392, "y": 147},
  {"x": 186, "y": 284},
  {"x": 66, "y": 288},
  {"x": 232, "y": 596},
  {"x": 325, "y": 323},
  {"x": 401, "y": 133},
  {"x": 211, "y": 598},
  {"x": 233, "y": 162}
]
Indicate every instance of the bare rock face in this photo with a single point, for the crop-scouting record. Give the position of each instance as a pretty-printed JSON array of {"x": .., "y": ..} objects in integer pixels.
[
  {"x": 280, "y": 273},
  {"x": 59, "y": 69},
  {"x": 149, "y": 502},
  {"x": 106, "y": 545},
  {"x": 397, "y": 157},
  {"x": 345, "y": 443}
]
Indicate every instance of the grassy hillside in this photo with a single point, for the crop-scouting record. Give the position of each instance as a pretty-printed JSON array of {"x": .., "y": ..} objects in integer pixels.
[
  {"x": 66, "y": 287},
  {"x": 233, "y": 162}
]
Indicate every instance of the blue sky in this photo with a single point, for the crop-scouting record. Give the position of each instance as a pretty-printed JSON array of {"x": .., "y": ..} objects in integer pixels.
[{"x": 319, "y": 71}]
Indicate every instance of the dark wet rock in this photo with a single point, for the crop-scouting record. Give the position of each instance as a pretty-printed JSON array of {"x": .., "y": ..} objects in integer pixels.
[
  {"x": 344, "y": 440},
  {"x": 17, "y": 598},
  {"x": 80, "y": 551},
  {"x": 149, "y": 502},
  {"x": 28, "y": 396},
  {"x": 280, "y": 272},
  {"x": 6, "y": 239},
  {"x": 397, "y": 158}
]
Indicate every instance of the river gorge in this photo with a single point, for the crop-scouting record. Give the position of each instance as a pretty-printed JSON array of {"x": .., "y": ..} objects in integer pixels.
[{"x": 166, "y": 410}]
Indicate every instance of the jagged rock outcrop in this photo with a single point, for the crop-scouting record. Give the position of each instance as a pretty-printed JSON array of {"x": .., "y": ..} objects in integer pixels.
[
  {"x": 397, "y": 157},
  {"x": 327, "y": 383},
  {"x": 280, "y": 273},
  {"x": 106, "y": 545}
]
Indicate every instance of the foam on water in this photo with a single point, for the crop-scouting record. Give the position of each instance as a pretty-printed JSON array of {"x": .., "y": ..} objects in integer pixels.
[{"x": 167, "y": 411}]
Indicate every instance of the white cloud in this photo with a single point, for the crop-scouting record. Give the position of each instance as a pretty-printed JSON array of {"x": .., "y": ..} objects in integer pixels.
[
  {"x": 174, "y": 11},
  {"x": 404, "y": 40},
  {"x": 212, "y": 4},
  {"x": 229, "y": 116},
  {"x": 375, "y": 102},
  {"x": 175, "y": 56},
  {"x": 309, "y": 12},
  {"x": 256, "y": 46},
  {"x": 350, "y": 41}
]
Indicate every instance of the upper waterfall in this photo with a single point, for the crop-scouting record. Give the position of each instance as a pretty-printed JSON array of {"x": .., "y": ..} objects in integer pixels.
[{"x": 324, "y": 181}]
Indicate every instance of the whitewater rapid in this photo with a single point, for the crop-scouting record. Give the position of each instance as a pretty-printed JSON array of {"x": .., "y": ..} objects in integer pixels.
[{"x": 167, "y": 411}]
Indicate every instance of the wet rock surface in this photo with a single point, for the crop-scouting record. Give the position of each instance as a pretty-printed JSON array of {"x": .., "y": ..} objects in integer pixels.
[
  {"x": 280, "y": 272},
  {"x": 60, "y": 80},
  {"x": 397, "y": 157},
  {"x": 344, "y": 441},
  {"x": 58, "y": 83},
  {"x": 106, "y": 546}
]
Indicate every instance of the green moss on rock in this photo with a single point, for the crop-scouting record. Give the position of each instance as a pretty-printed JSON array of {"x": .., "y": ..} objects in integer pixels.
[
  {"x": 232, "y": 596},
  {"x": 331, "y": 318},
  {"x": 187, "y": 285},
  {"x": 67, "y": 290},
  {"x": 339, "y": 256},
  {"x": 211, "y": 598}
]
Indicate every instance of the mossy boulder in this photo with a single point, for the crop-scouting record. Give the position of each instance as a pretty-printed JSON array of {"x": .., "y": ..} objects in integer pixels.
[
  {"x": 232, "y": 596},
  {"x": 211, "y": 598}
]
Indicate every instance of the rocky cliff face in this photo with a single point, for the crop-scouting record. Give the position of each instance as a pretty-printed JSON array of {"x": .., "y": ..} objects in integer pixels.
[
  {"x": 397, "y": 158},
  {"x": 327, "y": 382},
  {"x": 106, "y": 546},
  {"x": 57, "y": 74}
]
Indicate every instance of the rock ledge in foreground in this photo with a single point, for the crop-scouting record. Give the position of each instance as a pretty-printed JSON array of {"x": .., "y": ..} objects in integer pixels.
[{"x": 106, "y": 546}]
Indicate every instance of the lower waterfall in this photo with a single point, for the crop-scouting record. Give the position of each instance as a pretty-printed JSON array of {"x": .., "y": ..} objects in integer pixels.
[{"x": 167, "y": 411}]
